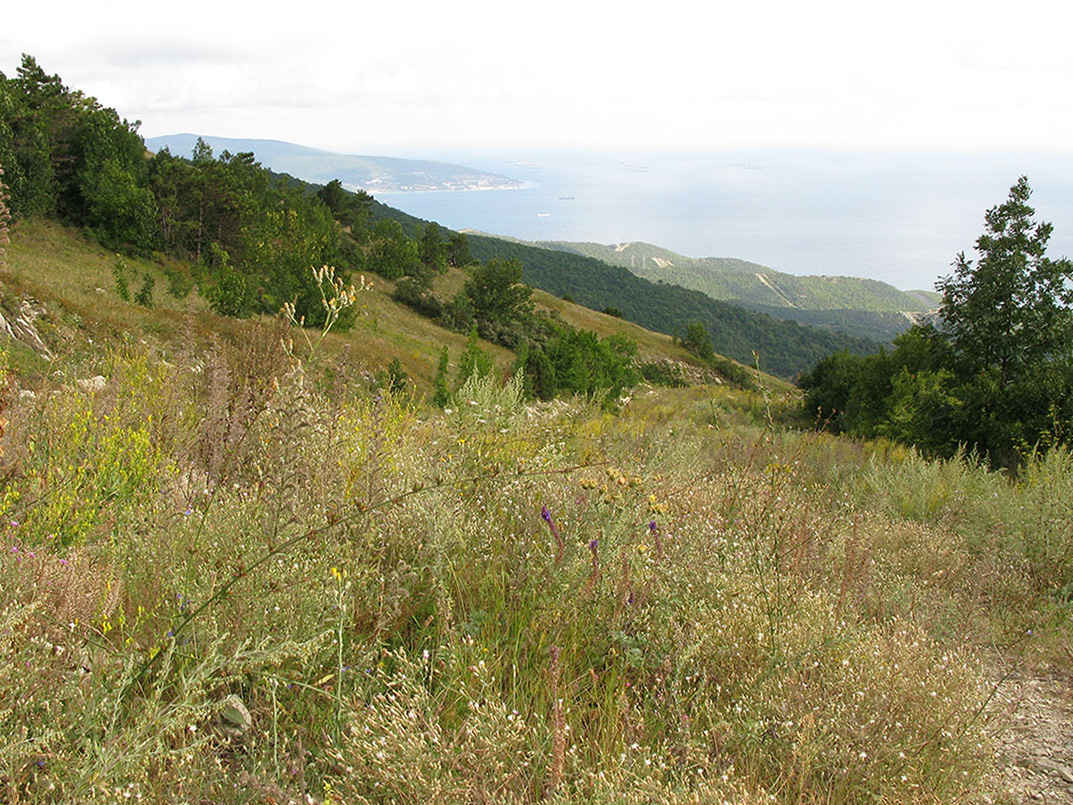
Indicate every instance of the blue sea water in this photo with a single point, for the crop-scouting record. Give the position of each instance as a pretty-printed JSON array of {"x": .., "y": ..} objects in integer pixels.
[{"x": 897, "y": 217}]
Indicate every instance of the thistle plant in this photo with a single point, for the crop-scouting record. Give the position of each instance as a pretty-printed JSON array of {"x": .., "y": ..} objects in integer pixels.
[{"x": 335, "y": 297}]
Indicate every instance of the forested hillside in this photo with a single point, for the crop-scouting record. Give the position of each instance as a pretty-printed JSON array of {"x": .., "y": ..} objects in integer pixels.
[
  {"x": 861, "y": 307},
  {"x": 783, "y": 347}
]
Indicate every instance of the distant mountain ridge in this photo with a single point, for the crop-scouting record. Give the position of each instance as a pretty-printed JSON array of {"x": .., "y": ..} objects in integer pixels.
[
  {"x": 373, "y": 174},
  {"x": 863, "y": 307}
]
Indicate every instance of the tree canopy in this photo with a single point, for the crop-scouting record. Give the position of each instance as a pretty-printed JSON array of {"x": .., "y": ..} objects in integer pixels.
[{"x": 993, "y": 373}]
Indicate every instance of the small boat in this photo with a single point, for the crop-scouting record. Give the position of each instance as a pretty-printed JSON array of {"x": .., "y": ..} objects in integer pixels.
[
  {"x": 543, "y": 215},
  {"x": 566, "y": 198}
]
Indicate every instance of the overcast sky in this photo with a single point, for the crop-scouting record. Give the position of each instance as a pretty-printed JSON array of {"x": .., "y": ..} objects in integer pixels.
[{"x": 404, "y": 78}]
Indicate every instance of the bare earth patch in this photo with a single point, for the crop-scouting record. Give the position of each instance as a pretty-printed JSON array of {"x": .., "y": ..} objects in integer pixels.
[{"x": 1032, "y": 715}]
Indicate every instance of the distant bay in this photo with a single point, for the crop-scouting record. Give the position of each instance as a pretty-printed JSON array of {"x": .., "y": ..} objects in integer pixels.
[{"x": 897, "y": 217}]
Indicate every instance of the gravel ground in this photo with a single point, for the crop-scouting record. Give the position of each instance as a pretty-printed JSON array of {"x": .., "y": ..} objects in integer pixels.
[{"x": 1032, "y": 716}]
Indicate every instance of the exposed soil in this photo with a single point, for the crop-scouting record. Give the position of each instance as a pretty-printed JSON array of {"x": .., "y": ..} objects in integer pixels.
[{"x": 1032, "y": 715}]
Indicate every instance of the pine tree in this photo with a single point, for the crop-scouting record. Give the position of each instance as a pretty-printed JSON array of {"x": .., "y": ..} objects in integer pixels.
[{"x": 1010, "y": 310}]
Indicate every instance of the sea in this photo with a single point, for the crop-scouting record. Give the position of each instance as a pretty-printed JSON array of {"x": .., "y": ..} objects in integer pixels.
[{"x": 897, "y": 217}]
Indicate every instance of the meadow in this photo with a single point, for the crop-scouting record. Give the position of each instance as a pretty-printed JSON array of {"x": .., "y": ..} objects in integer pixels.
[{"x": 233, "y": 573}]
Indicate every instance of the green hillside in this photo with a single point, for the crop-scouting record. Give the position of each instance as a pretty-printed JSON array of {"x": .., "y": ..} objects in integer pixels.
[
  {"x": 862, "y": 307},
  {"x": 784, "y": 347},
  {"x": 271, "y": 535}
]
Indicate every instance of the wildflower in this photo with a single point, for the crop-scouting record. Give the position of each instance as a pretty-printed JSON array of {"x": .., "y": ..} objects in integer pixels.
[
  {"x": 545, "y": 514},
  {"x": 654, "y": 530}
]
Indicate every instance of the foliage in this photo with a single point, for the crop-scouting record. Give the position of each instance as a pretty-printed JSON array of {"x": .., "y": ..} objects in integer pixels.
[
  {"x": 351, "y": 210},
  {"x": 458, "y": 250},
  {"x": 392, "y": 254},
  {"x": 497, "y": 293},
  {"x": 5, "y": 218},
  {"x": 1011, "y": 310},
  {"x": 71, "y": 157},
  {"x": 122, "y": 283},
  {"x": 441, "y": 395},
  {"x": 697, "y": 341},
  {"x": 493, "y": 603},
  {"x": 144, "y": 296},
  {"x": 474, "y": 363},
  {"x": 785, "y": 348},
  {"x": 994, "y": 375},
  {"x": 432, "y": 249}
]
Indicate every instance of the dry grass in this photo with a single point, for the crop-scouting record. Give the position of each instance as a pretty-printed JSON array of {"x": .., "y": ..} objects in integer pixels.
[{"x": 676, "y": 601}]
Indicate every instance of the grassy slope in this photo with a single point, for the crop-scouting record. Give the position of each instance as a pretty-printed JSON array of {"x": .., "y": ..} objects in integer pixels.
[
  {"x": 222, "y": 582},
  {"x": 75, "y": 279}
]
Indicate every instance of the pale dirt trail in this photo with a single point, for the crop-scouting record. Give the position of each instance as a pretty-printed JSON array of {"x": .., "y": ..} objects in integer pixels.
[{"x": 1032, "y": 717}]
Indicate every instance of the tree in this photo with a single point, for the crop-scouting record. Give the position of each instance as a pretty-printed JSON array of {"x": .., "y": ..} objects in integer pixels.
[
  {"x": 351, "y": 210},
  {"x": 994, "y": 375},
  {"x": 458, "y": 250},
  {"x": 497, "y": 292},
  {"x": 393, "y": 255},
  {"x": 1012, "y": 308},
  {"x": 442, "y": 395},
  {"x": 697, "y": 341},
  {"x": 474, "y": 361},
  {"x": 432, "y": 248}
]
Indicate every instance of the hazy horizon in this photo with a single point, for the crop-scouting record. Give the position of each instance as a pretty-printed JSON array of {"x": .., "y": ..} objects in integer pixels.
[{"x": 896, "y": 217}]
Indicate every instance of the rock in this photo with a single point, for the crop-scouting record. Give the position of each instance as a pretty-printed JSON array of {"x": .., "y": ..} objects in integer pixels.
[{"x": 92, "y": 385}]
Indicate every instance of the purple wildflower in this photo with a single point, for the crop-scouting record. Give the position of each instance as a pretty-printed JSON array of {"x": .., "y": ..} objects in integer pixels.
[
  {"x": 654, "y": 529},
  {"x": 545, "y": 514}
]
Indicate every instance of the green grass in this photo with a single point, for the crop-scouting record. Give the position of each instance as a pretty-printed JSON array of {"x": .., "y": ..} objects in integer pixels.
[{"x": 675, "y": 601}]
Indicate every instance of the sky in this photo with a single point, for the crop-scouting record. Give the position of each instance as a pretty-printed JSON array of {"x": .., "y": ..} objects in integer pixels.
[{"x": 410, "y": 78}]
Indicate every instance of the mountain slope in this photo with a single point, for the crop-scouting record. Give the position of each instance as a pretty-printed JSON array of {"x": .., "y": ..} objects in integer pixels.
[
  {"x": 370, "y": 173},
  {"x": 784, "y": 348},
  {"x": 862, "y": 307}
]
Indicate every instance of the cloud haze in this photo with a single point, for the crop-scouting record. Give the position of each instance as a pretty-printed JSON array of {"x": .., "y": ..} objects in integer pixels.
[{"x": 392, "y": 78}]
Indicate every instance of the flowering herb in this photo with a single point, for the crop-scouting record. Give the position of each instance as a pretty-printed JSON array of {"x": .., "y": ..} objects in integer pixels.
[
  {"x": 654, "y": 530},
  {"x": 560, "y": 547}
]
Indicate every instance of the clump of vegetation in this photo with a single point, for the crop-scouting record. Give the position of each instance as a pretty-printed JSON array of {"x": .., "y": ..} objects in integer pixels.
[
  {"x": 5, "y": 218},
  {"x": 991, "y": 375},
  {"x": 215, "y": 572}
]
